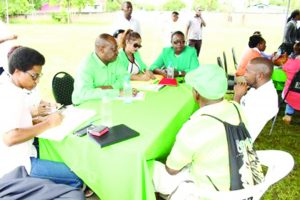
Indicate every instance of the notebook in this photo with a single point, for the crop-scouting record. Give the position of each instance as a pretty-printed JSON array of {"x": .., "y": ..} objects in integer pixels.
[
  {"x": 72, "y": 118},
  {"x": 116, "y": 134},
  {"x": 168, "y": 81}
]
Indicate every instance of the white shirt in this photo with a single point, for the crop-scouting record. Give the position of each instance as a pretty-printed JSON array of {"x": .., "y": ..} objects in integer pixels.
[
  {"x": 169, "y": 28},
  {"x": 14, "y": 113},
  {"x": 123, "y": 23},
  {"x": 259, "y": 106},
  {"x": 195, "y": 29},
  {"x": 133, "y": 68}
]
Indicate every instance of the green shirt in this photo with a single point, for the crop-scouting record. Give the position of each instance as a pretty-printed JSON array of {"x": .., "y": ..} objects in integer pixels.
[
  {"x": 137, "y": 59},
  {"x": 186, "y": 61},
  {"x": 202, "y": 145},
  {"x": 93, "y": 73}
]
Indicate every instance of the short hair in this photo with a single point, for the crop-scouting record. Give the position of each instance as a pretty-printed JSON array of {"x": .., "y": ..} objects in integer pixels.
[
  {"x": 263, "y": 65},
  {"x": 103, "y": 39},
  {"x": 126, "y": 3},
  {"x": 177, "y": 33},
  {"x": 175, "y": 13},
  {"x": 254, "y": 40},
  {"x": 24, "y": 58}
]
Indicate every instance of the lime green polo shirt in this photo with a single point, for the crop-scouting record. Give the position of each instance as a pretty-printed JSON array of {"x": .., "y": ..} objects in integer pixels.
[
  {"x": 137, "y": 58},
  {"x": 93, "y": 73},
  {"x": 202, "y": 145},
  {"x": 186, "y": 61}
]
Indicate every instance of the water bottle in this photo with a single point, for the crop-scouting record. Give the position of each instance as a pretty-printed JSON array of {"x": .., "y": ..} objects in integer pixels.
[
  {"x": 127, "y": 90},
  {"x": 170, "y": 71}
]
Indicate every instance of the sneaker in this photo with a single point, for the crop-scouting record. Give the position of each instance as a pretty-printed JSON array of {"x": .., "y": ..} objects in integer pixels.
[{"x": 287, "y": 119}]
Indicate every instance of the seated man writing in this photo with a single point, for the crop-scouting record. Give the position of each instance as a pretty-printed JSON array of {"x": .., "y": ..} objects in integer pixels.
[
  {"x": 101, "y": 73},
  {"x": 17, "y": 130},
  {"x": 260, "y": 103},
  {"x": 201, "y": 153},
  {"x": 179, "y": 56}
]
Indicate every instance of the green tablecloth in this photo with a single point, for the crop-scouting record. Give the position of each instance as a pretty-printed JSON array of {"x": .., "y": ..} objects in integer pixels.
[
  {"x": 279, "y": 77},
  {"x": 123, "y": 171}
]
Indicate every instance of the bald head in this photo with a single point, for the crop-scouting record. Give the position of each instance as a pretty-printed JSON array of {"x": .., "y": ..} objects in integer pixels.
[
  {"x": 106, "y": 48},
  {"x": 263, "y": 65},
  {"x": 104, "y": 39}
]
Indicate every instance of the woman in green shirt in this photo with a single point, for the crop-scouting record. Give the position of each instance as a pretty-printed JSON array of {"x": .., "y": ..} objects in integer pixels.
[
  {"x": 130, "y": 58},
  {"x": 183, "y": 58}
]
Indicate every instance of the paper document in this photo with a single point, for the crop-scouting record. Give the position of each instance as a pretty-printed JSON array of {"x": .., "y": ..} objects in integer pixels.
[
  {"x": 73, "y": 117},
  {"x": 139, "y": 96},
  {"x": 151, "y": 85}
]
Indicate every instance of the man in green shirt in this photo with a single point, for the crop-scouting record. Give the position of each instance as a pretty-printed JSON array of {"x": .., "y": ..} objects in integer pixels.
[
  {"x": 179, "y": 56},
  {"x": 201, "y": 147},
  {"x": 100, "y": 74}
]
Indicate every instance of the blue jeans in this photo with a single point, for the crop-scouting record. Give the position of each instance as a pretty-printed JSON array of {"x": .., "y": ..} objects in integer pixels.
[
  {"x": 54, "y": 171},
  {"x": 289, "y": 110}
]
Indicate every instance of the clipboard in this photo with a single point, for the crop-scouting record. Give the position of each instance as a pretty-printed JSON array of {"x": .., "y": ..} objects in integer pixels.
[{"x": 116, "y": 134}]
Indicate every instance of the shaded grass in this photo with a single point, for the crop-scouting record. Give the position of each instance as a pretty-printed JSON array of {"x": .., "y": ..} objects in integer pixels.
[{"x": 284, "y": 137}]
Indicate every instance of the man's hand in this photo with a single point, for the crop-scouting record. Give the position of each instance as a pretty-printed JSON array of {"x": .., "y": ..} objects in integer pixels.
[{"x": 240, "y": 89}]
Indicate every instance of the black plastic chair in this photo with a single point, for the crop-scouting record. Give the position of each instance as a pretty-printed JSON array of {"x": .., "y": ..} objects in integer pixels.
[
  {"x": 219, "y": 61},
  {"x": 230, "y": 77},
  {"x": 294, "y": 87},
  {"x": 234, "y": 58},
  {"x": 62, "y": 88}
]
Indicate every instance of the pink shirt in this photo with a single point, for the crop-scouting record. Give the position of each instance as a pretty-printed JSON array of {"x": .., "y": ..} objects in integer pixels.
[{"x": 290, "y": 68}]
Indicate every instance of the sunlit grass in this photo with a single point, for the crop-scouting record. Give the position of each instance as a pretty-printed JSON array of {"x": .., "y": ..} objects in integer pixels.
[{"x": 65, "y": 45}]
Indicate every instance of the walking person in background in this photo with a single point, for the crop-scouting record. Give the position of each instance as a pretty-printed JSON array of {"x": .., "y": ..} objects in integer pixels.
[
  {"x": 171, "y": 26},
  {"x": 194, "y": 30},
  {"x": 127, "y": 21},
  {"x": 290, "y": 32}
]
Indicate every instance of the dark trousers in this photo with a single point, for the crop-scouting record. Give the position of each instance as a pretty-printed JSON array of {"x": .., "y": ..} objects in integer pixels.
[{"x": 197, "y": 44}]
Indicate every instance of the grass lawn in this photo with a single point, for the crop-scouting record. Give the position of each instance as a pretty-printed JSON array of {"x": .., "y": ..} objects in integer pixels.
[{"x": 64, "y": 46}]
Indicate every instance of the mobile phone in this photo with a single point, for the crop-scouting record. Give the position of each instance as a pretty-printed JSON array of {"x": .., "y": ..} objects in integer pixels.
[
  {"x": 83, "y": 131},
  {"x": 99, "y": 130}
]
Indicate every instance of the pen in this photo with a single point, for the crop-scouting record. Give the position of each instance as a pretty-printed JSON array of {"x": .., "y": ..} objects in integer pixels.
[
  {"x": 61, "y": 108},
  {"x": 155, "y": 81}
]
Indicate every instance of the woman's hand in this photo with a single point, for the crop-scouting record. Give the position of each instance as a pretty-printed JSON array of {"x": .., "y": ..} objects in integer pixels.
[{"x": 150, "y": 74}]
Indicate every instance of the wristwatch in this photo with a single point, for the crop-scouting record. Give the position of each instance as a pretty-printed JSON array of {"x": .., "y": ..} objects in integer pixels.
[{"x": 179, "y": 73}]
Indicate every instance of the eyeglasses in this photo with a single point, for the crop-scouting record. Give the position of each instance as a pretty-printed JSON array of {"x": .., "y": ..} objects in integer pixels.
[
  {"x": 136, "y": 45},
  {"x": 179, "y": 42},
  {"x": 34, "y": 76}
]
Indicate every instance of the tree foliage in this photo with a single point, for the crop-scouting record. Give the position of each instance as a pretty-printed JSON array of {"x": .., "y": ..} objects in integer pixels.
[
  {"x": 112, "y": 5},
  {"x": 79, "y": 4},
  {"x": 206, "y": 4},
  {"x": 15, "y": 7},
  {"x": 172, "y": 5}
]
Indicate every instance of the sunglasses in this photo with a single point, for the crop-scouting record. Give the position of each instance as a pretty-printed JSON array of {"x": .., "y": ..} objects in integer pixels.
[
  {"x": 136, "y": 45},
  {"x": 34, "y": 76},
  {"x": 179, "y": 42}
]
